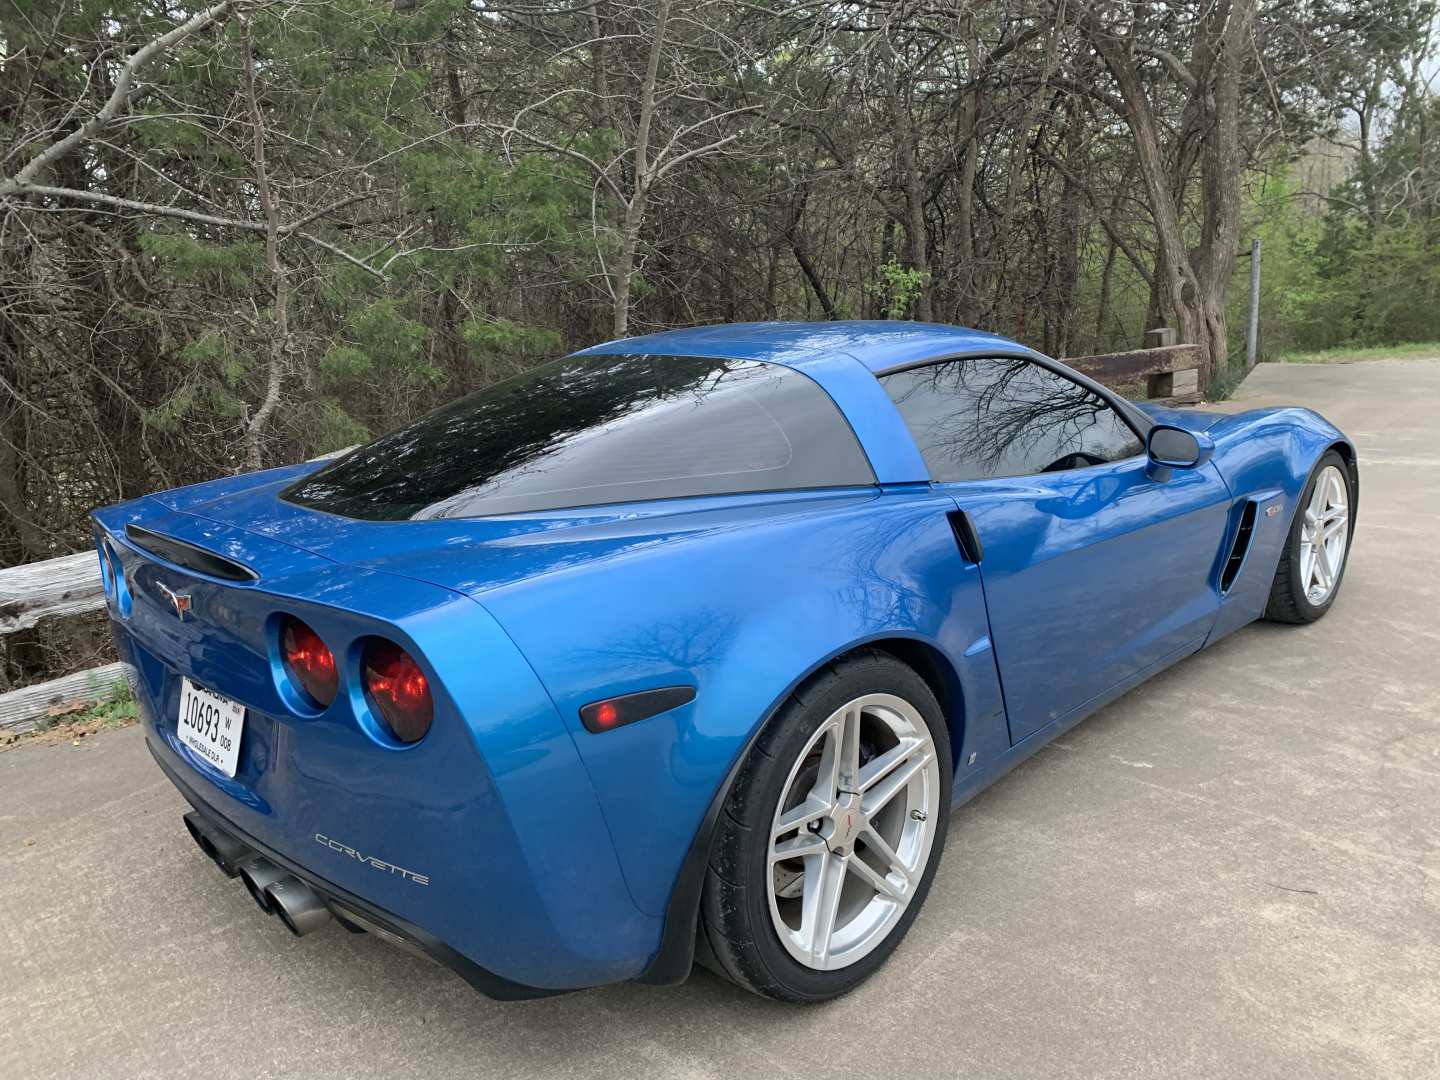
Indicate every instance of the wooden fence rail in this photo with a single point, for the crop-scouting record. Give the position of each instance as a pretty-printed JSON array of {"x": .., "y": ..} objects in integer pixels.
[
  {"x": 1158, "y": 364},
  {"x": 23, "y": 710},
  {"x": 71, "y": 584},
  {"x": 66, "y": 586}
]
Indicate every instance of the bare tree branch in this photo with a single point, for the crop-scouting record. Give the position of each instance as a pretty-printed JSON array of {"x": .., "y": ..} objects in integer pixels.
[{"x": 119, "y": 96}]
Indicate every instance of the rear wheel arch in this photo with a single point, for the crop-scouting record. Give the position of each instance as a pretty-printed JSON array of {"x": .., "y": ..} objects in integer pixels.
[
  {"x": 676, "y": 955},
  {"x": 735, "y": 935},
  {"x": 939, "y": 674},
  {"x": 916, "y": 653}
]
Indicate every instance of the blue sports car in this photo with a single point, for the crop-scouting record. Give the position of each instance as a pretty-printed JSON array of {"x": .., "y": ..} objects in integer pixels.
[{"x": 685, "y": 646}]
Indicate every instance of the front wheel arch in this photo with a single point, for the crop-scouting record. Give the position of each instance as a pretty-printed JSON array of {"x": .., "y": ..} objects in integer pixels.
[{"x": 1352, "y": 466}]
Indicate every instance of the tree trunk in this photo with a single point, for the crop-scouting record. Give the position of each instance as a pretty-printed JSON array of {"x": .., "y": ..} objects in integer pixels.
[
  {"x": 1193, "y": 287},
  {"x": 1221, "y": 161},
  {"x": 1366, "y": 116},
  {"x": 1102, "y": 306},
  {"x": 280, "y": 286},
  {"x": 917, "y": 238},
  {"x": 912, "y": 184},
  {"x": 450, "y": 308},
  {"x": 1067, "y": 243},
  {"x": 967, "y": 307},
  {"x": 802, "y": 259},
  {"x": 635, "y": 210},
  {"x": 625, "y": 263}
]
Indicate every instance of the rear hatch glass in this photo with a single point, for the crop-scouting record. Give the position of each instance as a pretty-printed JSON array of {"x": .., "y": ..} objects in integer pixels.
[{"x": 590, "y": 430}]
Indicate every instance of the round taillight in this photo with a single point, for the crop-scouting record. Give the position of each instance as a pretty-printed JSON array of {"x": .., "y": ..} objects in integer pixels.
[
  {"x": 309, "y": 662},
  {"x": 398, "y": 689}
]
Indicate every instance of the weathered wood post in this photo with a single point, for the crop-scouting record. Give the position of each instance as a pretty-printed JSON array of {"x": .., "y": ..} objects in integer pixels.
[{"x": 1162, "y": 385}]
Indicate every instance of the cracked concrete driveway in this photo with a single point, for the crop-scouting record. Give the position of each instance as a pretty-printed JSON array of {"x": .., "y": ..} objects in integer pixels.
[{"x": 1234, "y": 871}]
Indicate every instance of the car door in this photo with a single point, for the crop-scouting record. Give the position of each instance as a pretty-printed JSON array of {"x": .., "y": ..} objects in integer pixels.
[{"x": 1097, "y": 568}]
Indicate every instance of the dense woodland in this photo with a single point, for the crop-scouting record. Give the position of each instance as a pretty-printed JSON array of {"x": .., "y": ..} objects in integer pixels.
[{"x": 242, "y": 235}]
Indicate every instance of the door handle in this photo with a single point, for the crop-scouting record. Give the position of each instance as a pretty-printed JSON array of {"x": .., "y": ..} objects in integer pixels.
[{"x": 966, "y": 537}]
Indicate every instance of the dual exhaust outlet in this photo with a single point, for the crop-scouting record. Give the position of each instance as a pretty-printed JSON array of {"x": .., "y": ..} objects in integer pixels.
[{"x": 277, "y": 891}]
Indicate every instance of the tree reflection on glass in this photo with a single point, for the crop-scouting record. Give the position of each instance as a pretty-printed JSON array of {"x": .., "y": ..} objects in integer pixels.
[
  {"x": 988, "y": 417},
  {"x": 589, "y": 430}
]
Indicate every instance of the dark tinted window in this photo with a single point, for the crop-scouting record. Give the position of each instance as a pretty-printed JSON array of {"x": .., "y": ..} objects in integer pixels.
[
  {"x": 599, "y": 429},
  {"x": 978, "y": 418}
]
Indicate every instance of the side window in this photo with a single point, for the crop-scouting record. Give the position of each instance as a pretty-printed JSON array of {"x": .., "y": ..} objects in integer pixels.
[{"x": 1005, "y": 416}]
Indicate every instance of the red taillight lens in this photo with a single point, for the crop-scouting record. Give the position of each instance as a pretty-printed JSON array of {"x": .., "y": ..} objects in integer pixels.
[
  {"x": 398, "y": 689},
  {"x": 309, "y": 661}
]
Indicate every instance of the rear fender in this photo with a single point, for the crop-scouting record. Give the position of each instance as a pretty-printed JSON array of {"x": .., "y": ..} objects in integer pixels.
[{"x": 744, "y": 616}]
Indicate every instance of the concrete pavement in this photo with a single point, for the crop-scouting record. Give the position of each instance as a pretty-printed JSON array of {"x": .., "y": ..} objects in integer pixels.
[{"x": 1234, "y": 871}]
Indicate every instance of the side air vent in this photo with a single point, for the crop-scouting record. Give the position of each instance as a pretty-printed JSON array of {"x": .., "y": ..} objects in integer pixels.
[
  {"x": 966, "y": 537},
  {"x": 188, "y": 556},
  {"x": 1239, "y": 547}
]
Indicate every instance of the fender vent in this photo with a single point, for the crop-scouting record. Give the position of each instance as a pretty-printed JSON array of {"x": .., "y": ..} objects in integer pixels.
[
  {"x": 188, "y": 556},
  {"x": 1238, "y": 547},
  {"x": 966, "y": 537}
]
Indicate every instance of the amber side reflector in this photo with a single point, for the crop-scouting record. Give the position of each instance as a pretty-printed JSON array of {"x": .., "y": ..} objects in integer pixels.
[{"x": 616, "y": 712}]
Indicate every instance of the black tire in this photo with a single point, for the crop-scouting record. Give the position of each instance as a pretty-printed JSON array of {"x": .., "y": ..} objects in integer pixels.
[
  {"x": 1288, "y": 600},
  {"x": 738, "y": 938}
]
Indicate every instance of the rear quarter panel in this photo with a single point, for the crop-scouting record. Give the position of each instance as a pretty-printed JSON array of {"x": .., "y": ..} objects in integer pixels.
[{"x": 744, "y": 614}]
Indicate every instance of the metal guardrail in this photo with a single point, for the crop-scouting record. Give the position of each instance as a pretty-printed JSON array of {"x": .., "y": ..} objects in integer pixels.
[{"x": 71, "y": 585}]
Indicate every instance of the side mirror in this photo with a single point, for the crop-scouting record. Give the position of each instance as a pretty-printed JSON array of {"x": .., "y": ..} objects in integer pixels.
[{"x": 1175, "y": 448}]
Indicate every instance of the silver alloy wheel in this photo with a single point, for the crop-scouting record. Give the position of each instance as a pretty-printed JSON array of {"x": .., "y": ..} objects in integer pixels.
[
  {"x": 853, "y": 830},
  {"x": 1324, "y": 535}
]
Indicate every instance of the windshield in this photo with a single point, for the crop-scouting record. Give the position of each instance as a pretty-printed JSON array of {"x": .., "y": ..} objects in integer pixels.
[{"x": 587, "y": 430}]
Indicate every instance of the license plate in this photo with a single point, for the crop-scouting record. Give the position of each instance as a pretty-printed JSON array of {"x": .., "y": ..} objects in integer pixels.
[{"x": 211, "y": 725}]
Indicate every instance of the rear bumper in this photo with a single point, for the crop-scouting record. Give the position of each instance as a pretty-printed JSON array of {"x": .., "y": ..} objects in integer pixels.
[
  {"x": 389, "y": 926},
  {"x": 508, "y": 930},
  {"x": 485, "y": 842}
]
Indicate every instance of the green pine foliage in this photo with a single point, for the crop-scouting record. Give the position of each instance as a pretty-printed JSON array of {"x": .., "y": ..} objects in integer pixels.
[
  {"x": 1330, "y": 280},
  {"x": 453, "y": 181}
]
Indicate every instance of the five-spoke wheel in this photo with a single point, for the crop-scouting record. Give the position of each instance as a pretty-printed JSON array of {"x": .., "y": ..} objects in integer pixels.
[
  {"x": 853, "y": 830},
  {"x": 831, "y": 832},
  {"x": 1324, "y": 534},
  {"x": 1312, "y": 562}
]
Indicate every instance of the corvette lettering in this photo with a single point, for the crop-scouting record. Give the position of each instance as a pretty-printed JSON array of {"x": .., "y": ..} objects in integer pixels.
[{"x": 378, "y": 864}]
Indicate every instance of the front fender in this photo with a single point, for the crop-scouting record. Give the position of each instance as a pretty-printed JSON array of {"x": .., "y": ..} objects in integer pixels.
[
  {"x": 1267, "y": 455},
  {"x": 743, "y": 615}
]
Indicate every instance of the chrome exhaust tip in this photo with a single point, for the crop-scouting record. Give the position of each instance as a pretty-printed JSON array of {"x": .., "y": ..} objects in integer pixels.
[
  {"x": 219, "y": 847},
  {"x": 258, "y": 875},
  {"x": 299, "y": 906}
]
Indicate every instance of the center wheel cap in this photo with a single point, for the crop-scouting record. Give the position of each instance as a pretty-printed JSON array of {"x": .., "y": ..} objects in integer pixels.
[{"x": 845, "y": 824}]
